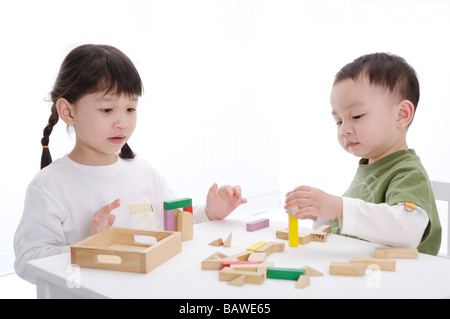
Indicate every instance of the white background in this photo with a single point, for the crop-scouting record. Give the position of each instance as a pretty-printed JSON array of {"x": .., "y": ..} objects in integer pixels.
[{"x": 236, "y": 91}]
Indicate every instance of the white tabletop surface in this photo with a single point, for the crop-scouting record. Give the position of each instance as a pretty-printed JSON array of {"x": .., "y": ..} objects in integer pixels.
[{"x": 182, "y": 277}]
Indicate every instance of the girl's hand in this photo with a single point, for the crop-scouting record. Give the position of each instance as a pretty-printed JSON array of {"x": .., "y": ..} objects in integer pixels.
[
  {"x": 220, "y": 202},
  {"x": 103, "y": 219},
  {"x": 308, "y": 202}
]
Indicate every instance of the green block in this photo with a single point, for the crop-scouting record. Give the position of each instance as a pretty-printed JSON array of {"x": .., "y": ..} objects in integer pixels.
[
  {"x": 284, "y": 273},
  {"x": 178, "y": 203}
]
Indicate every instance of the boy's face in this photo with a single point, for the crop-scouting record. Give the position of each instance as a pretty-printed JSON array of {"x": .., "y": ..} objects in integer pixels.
[{"x": 366, "y": 119}]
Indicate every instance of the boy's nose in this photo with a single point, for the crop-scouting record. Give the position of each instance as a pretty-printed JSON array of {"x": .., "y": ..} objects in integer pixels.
[
  {"x": 346, "y": 129},
  {"x": 122, "y": 123}
]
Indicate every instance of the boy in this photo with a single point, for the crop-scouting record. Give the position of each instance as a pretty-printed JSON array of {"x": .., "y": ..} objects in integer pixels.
[{"x": 390, "y": 200}]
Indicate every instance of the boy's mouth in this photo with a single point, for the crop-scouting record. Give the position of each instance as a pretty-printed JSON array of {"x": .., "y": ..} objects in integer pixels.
[{"x": 352, "y": 144}]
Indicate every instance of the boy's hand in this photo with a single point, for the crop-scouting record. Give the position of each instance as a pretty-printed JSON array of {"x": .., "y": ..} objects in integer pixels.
[
  {"x": 308, "y": 202},
  {"x": 220, "y": 202},
  {"x": 103, "y": 218}
]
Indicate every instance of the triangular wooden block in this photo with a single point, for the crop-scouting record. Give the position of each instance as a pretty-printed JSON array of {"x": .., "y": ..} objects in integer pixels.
[
  {"x": 309, "y": 271},
  {"x": 239, "y": 281},
  {"x": 217, "y": 242},
  {"x": 227, "y": 242},
  {"x": 302, "y": 282}
]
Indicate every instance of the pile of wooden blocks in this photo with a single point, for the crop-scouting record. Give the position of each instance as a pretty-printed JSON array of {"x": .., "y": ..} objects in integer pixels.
[
  {"x": 251, "y": 266},
  {"x": 178, "y": 216}
]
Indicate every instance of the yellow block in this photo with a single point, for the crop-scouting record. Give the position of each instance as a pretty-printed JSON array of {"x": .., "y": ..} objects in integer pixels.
[
  {"x": 293, "y": 231},
  {"x": 256, "y": 246}
]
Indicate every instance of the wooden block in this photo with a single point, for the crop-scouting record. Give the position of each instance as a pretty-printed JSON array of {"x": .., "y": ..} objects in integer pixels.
[
  {"x": 185, "y": 225},
  {"x": 169, "y": 220},
  {"x": 324, "y": 229},
  {"x": 227, "y": 242},
  {"x": 239, "y": 262},
  {"x": 243, "y": 256},
  {"x": 256, "y": 246},
  {"x": 218, "y": 242},
  {"x": 304, "y": 238},
  {"x": 284, "y": 273},
  {"x": 257, "y": 224},
  {"x": 257, "y": 256},
  {"x": 319, "y": 236},
  {"x": 177, "y": 203},
  {"x": 311, "y": 272},
  {"x": 302, "y": 282},
  {"x": 400, "y": 253},
  {"x": 253, "y": 267},
  {"x": 271, "y": 247},
  {"x": 384, "y": 264},
  {"x": 188, "y": 209},
  {"x": 282, "y": 234},
  {"x": 251, "y": 276},
  {"x": 293, "y": 231},
  {"x": 347, "y": 269},
  {"x": 213, "y": 262},
  {"x": 140, "y": 208},
  {"x": 238, "y": 281}
]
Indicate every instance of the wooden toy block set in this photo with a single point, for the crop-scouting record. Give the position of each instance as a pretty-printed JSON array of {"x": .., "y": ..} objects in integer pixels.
[
  {"x": 253, "y": 267},
  {"x": 140, "y": 250},
  {"x": 137, "y": 250}
]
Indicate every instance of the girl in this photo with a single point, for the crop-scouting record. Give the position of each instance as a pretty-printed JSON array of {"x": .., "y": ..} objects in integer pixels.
[{"x": 96, "y": 92}]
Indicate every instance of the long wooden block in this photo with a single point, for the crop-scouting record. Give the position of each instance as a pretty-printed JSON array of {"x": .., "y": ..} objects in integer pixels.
[
  {"x": 239, "y": 262},
  {"x": 271, "y": 247},
  {"x": 169, "y": 220},
  {"x": 257, "y": 224},
  {"x": 284, "y": 273},
  {"x": 293, "y": 231},
  {"x": 400, "y": 253},
  {"x": 177, "y": 203},
  {"x": 256, "y": 246},
  {"x": 347, "y": 269},
  {"x": 304, "y": 238},
  {"x": 383, "y": 264}
]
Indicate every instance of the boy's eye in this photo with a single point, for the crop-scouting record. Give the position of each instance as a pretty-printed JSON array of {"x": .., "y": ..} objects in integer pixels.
[
  {"x": 339, "y": 123},
  {"x": 106, "y": 110},
  {"x": 131, "y": 109},
  {"x": 357, "y": 117}
]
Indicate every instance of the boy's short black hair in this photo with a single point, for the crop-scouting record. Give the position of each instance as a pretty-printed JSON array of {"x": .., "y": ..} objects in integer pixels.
[{"x": 386, "y": 70}]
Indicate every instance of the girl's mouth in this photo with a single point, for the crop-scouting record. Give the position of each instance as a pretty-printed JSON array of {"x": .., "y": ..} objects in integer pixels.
[{"x": 117, "y": 139}]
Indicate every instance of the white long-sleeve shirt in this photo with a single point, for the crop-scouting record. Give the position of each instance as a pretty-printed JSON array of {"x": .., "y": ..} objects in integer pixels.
[
  {"x": 62, "y": 198},
  {"x": 381, "y": 223}
]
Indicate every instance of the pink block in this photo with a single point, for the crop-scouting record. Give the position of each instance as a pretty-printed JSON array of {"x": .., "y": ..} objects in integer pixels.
[
  {"x": 169, "y": 221},
  {"x": 258, "y": 224}
]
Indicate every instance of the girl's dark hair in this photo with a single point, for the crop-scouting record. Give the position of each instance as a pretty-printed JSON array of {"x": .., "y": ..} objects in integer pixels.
[
  {"x": 386, "y": 70},
  {"x": 88, "y": 69}
]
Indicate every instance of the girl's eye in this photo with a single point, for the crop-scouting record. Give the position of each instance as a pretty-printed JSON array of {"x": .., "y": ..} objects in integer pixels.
[
  {"x": 357, "y": 117},
  {"x": 131, "y": 109},
  {"x": 339, "y": 123},
  {"x": 106, "y": 110}
]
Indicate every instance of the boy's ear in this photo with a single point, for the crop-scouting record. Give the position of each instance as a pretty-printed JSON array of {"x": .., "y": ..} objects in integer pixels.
[
  {"x": 64, "y": 109},
  {"x": 405, "y": 113}
]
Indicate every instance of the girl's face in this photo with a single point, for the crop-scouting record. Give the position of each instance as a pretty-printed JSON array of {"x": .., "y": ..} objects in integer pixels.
[
  {"x": 103, "y": 123},
  {"x": 366, "y": 119}
]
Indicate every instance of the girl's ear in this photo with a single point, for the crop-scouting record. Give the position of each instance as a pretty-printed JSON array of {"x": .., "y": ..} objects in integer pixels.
[
  {"x": 64, "y": 109},
  {"x": 405, "y": 113}
]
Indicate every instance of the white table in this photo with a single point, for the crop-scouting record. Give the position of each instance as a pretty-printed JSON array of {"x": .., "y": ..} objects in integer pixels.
[{"x": 182, "y": 277}]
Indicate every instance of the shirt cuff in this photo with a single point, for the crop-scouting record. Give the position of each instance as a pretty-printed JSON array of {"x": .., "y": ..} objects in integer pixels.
[{"x": 200, "y": 214}]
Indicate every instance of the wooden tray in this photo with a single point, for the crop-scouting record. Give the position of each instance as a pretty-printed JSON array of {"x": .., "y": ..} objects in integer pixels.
[{"x": 125, "y": 249}]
